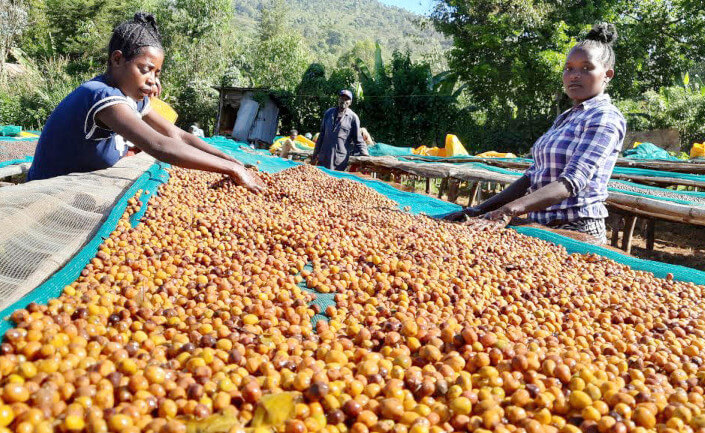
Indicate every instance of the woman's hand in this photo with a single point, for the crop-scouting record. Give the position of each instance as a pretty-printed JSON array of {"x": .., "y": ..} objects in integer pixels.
[
  {"x": 462, "y": 215},
  {"x": 502, "y": 215},
  {"x": 247, "y": 178}
]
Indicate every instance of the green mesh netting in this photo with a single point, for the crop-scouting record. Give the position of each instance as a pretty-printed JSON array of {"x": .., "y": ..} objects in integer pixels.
[
  {"x": 658, "y": 193},
  {"x": 648, "y": 151},
  {"x": 381, "y": 149},
  {"x": 323, "y": 300},
  {"x": 646, "y": 172},
  {"x": 10, "y": 130},
  {"x": 16, "y": 161},
  {"x": 4, "y": 138}
]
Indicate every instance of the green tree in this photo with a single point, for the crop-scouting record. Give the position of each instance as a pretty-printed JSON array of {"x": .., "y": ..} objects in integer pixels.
[
  {"x": 279, "y": 57},
  {"x": 315, "y": 94},
  {"x": 280, "y": 62},
  {"x": 510, "y": 52},
  {"x": 272, "y": 20},
  {"x": 199, "y": 44},
  {"x": 660, "y": 41},
  {"x": 310, "y": 98},
  {"x": 364, "y": 50},
  {"x": 80, "y": 29},
  {"x": 13, "y": 20},
  {"x": 192, "y": 20}
]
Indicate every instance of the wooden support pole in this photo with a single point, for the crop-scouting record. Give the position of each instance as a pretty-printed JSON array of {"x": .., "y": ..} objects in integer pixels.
[
  {"x": 473, "y": 193},
  {"x": 616, "y": 226},
  {"x": 444, "y": 185},
  {"x": 629, "y": 224},
  {"x": 428, "y": 185},
  {"x": 453, "y": 190},
  {"x": 650, "y": 233}
]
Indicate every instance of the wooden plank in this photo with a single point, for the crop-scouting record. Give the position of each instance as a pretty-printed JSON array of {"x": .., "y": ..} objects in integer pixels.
[
  {"x": 661, "y": 181},
  {"x": 646, "y": 213},
  {"x": 676, "y": 167},
  {"x": 692, "y": 167},
  {"x": 12, "y": 170},
  {"x": 650, "y": 206},
  {"x": 433, "y": 170}
]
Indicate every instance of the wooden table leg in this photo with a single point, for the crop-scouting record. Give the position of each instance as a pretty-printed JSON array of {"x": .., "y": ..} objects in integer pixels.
[
  {"x": 453, "y": 187},
  {"x": 428, "y": 185},
  {"x": 444, "y": 185},
  {"x": 629, "y": 223},
  {"x": 616, "y": 226},
  {"x": 650, "y": 233},
  {"x": 473, "y": 193}
]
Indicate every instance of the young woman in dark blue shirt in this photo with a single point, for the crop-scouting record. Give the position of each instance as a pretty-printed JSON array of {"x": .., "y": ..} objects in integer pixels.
[{"x": 87, "y": 131}]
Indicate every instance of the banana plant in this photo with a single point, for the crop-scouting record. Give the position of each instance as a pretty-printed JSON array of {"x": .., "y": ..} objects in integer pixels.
[{"x": 405, "y": 99}]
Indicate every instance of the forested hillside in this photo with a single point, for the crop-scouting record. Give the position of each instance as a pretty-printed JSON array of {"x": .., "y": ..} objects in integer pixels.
[
  {"x": 331, "y": 27},
  {"x": 493, "y": 78}
]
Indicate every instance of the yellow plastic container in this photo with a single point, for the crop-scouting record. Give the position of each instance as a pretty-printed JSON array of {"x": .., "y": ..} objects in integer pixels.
[
  {"x": 493, "y": 154},
  {"x": 453, "y": 147},
  {"x": 163, "y": 109},
  {"x": 302, "y": 143}
]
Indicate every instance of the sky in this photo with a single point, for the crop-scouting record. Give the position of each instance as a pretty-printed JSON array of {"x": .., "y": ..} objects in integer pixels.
[{"x": 422, "y": 7}]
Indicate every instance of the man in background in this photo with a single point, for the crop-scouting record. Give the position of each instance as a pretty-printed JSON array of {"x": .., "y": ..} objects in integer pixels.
[{"x": 340, "y": 136}]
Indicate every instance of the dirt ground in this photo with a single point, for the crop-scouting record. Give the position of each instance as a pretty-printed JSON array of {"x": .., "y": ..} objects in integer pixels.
[{"x": 674, "y": 243}]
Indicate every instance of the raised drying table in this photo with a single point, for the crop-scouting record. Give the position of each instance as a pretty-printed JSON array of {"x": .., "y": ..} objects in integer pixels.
[
  {"x": 628, "y": 200},
  {"x": 650, "y": 172}
]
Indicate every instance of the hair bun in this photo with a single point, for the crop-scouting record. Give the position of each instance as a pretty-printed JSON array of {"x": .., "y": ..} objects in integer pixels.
[
  {"x": 145, "y": 18},
  {"x": 603, "y": 32}
]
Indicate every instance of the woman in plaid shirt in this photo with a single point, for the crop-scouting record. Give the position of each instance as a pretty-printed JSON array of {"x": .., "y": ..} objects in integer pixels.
[{"x": 566, "y": 186}]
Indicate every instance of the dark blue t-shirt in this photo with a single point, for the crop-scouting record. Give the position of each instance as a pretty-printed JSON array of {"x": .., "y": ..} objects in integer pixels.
[{"x": 72, "y": 141}]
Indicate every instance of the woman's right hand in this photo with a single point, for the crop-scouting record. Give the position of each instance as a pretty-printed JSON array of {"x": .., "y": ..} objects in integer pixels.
[
  {"x": 462, "y": 215},
  {"x": 247, "y": 178}
]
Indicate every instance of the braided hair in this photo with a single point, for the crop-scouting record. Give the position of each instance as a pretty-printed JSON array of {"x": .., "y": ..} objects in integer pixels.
[
  {"x": 601, "y": 38},
  {"x": 133, "y": 35}
]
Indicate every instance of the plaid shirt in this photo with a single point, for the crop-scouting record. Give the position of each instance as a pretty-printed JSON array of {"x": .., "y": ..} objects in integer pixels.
[{"x": 581, "y": 147}]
